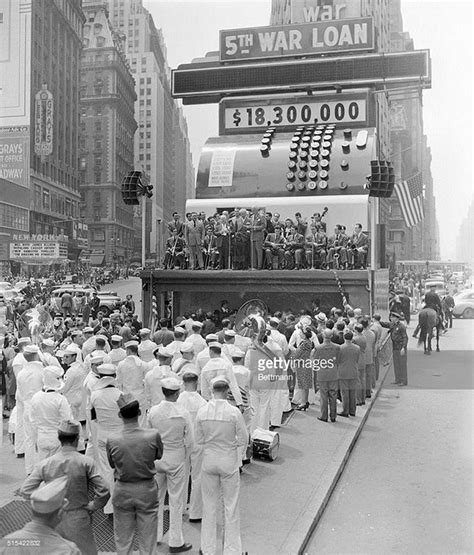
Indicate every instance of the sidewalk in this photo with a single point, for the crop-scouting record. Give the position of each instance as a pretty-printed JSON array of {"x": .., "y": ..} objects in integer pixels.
[{"x": 281, "y": 501}]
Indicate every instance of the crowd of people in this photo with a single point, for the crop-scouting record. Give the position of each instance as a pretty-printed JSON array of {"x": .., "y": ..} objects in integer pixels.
[
  {"x": 133, "y": 413},
  {"x": 256, "y": 239}
]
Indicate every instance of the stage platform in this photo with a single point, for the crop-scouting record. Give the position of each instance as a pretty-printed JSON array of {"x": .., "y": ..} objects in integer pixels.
[{"x": 187, "y": 290}]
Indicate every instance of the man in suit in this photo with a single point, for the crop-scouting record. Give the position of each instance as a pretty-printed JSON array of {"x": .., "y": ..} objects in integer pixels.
[
  {"x": 326, "y": 365},
  {"x": 240, "y": 239},
  {"x": 348, "y": 374},
  {"x": 337, "y": 246},
  {"x": 301, "y": 225},
  {"x": 294, "y": 249},
  {"x": 194, "y": 235},
  {"x": 222, "y": 231},
  {"x": 274, "y": 249},
  {"x": 175, "y": 246},
  {"x": 257, "y": 226},
  {"x": 176, "y": 224},
  {"x": 316, "y": 244},
  {"x": 357, "y": 254}
]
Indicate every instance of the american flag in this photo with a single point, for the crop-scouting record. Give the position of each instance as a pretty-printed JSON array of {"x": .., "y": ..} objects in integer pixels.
[{"x": 410, "y": 197}]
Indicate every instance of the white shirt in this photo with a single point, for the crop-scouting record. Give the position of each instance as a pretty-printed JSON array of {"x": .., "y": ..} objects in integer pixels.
[
  {"x": 279, "y": 338},
  {"x": 104, "y": 402},
  {"x": 17, "y": 364},
  {"x": 29, "y": 381},
  {"x": 180, "y": 366},
  {"x": 202, "y": 359},
  {"x": 220, "y": 429},
  {"x": 50, "y": 360},
  {"x": 198, "y": 342},
  {"x": 130, "y": 376},
  {"x": 48, "y": 409},
  {"x": 73, "y": 389},
  {"x": 228, "y": 350},
  {"x": 174, "y": 424},
  {"x": 192, "y": 402},
  {"x": 175, "y": 348},
  {"x": 219, "y": 366},
  {"x": 78, "y": 350},
  {"x": 145, "y": 350},
  {"x": 153, "y": 391}
]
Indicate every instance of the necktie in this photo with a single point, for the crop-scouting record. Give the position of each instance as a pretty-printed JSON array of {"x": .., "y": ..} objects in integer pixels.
[{"x": 194, "y": 223}]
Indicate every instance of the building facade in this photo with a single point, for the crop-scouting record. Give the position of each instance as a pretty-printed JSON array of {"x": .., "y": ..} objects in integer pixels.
[
  {"x": 162, "y": 147},
  {"x": 107, "y": 139},
  {"x": 39, "y": 133}
]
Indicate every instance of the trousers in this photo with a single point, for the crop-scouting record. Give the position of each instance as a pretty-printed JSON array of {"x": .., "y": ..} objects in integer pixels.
[
  {"x": 106, "y": 471},
  {"x": 20, "y": 430},
  {"x": 135, "y": 508},
  {"x": 400, "y": 366},
  {"x": 369, "y": 378},
  {"x": 217, "y": 482},
  {"x": 171, "y": 477},
  {"x": 193, "y": 470},
  {"x": 361, "y": 386},
  {"x": 348, "y": 389},
  {"x": 76, "y": 526},
  {"x": 29, "y": 441},
  {"x": 47, "y": 444},
  {"x": 260, "y": 402},
  {"x": 328, "y": 396}
]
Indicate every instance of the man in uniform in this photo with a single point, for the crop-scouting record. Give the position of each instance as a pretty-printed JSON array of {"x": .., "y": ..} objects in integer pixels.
[
  {"x": 160, "y": 368},
  {"x": 398, "y": 334},
  {"x": 217, "y": 366},
  {"x": 176, "y": 430},
  {"x": 361, "y": 342},
  {"x": 47, "y": 506},
  {"x": 117, "y": 352},
  {"x": 192, "y": 401},
  {"x": 221, "y": 431},
  {"x": 48, "y": 409},
  {"x": 132, "y": 454},
  {"x": 186, "y": 361},
  {"x": 146, "y": 346},
  {"x": 175, "y": 345},
  {"x": 130, "y": 375},
  {"x": 28, "y": 382},
  {"x": 81, "y": 473},
  {"x": 195, "y": 338},
  {"x": 175, "y": 251},
  {"x": 104, "y": 399}
]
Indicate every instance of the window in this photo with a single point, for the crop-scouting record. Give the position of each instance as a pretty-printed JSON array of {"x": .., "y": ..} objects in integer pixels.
[
  {"x": 46, "y": 198},
  {"x": 97, "y": 197},
  {"x": 98, "y": 126},
  {"x": 14, "y": 217},
  {"x": 97, "y": 215},
  {"x": 82, "y": 163},
  {"x": 97, "y": 177},
  {"x": 97, "y": 144},
  {"x": 37, "y": 196}
]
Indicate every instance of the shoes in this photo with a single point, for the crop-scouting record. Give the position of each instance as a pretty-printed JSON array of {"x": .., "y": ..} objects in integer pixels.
[
  {"x": 20, "y": 456},
  {"x": 195, "y": 519},
  {"x": 352, "y": 414},
  {"x": 342, "y": 414},
  {"x": 402, "y": 384},
  {"x": 304, "y": 406},
  {"x": 273, "y": 428},
  {"x": 181, "y": 548},
  {"x": 395, "y": 383},
  {"x": 246, "y": 461},
  {"x": 322, "y": 419},
  {"x": 333, "y": 420}
]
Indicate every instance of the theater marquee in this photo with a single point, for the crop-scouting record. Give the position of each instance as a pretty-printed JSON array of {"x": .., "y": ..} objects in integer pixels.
[{"x": 322, "y": 37}]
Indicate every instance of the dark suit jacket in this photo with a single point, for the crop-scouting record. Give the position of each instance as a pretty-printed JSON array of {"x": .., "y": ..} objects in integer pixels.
[
  {"x": 360, "y": 242},
  {"x": 348, "y": 361}
]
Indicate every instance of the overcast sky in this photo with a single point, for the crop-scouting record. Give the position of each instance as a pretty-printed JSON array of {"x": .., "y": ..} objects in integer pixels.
[{"x": 191, "y": 28}]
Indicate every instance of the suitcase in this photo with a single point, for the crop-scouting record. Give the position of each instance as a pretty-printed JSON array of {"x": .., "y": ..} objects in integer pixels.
[{"x": 265, "y": 444}]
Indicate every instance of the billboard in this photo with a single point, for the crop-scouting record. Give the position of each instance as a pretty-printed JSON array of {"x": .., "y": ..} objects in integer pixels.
[
  {"x": 14, "y": 154},
  {"x": 322, "y": 37}
]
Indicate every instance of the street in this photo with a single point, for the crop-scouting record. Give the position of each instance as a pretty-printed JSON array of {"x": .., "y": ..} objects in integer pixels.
[
  {"x": 408, "y": 485},
  {"x": 131, "y": 286}
]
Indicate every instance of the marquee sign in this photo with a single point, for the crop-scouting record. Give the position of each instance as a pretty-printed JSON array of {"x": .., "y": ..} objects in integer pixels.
[
  {"x": 322, "y": 37},
  {"x": 44, "y": 109},
  {"x": 38, "y": 250}
]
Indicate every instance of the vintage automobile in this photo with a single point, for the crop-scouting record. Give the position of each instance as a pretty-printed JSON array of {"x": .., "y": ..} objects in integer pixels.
[{"x": 464, "y": 304}]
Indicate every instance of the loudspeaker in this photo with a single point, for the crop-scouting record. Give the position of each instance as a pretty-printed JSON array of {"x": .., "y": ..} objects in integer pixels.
[
  {"x": 132, "y": 187},
  {"x": 382, "y": 179}
]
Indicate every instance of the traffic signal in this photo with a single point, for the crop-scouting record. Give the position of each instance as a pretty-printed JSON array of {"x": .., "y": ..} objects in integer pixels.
[{"x": 381, "y": 181}]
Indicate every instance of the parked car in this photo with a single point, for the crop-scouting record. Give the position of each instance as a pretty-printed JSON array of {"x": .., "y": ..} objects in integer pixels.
[
  {"x": 109, "y": 301},
  {"x": 464, "y": 304}
]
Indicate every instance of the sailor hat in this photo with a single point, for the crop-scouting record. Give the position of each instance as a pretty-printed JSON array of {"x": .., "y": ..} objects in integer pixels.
[
  {"x": 107, "y": 369},
  {"x": 187, "y": 348},
  {"x": 171, "y": 383},
  {"x": 230, "y": 333},
  {"x": 116, "y": 338},
  {"x": 165, "y": 352},
  {"x": 131, "y": 344},
  {"x": 144, "y": 331},
  {"x": 219, "y": 379},
  {"x": 31, "y": 349},
  {"x": 69, "y": 427}
]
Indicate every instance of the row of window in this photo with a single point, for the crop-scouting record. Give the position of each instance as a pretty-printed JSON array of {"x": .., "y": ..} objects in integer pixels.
[{"x": 14, "y": 217}]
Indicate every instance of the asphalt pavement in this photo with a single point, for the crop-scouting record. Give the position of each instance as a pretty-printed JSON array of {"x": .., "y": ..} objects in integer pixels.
[{"x": 408, "y": 486}]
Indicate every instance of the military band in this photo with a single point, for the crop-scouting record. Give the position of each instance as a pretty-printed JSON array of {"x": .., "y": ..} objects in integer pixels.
[{"x": 255, "y": 239}]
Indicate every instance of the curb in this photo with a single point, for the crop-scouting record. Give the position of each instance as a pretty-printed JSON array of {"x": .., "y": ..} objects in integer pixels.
[{"x": 317, "y": 508}]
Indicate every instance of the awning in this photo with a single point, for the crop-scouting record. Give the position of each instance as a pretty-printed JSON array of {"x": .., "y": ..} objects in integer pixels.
[{"x": 97, "y": 259}]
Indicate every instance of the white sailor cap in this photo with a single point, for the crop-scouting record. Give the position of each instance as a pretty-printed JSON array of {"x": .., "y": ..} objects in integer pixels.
[
  {"x": 144, "y": 331},
  {"x": 237, "y": 353},
  {"x": 171, "y": 383},
  {"x": 165, "y": 352},
  {"x": 31, "y": 349},
  {"x": 131, "y": 344},
  {"x": 97, "y": 357},
  {"x": 48, "y": 342},
  {"x": 196, "y": 324},
  {"x": 116, "y": 338},
  {"x": 187, "y": 348},
  {"x": 219, "y": 379},
  {"x": 230, "y": 333},
  {"x": 24, "y": 340},
  {"x": 107, "y": 369},
  {"x": 69, "y": 350},
  {"x": 321, "y": 317},
  {"x": 87, "y": 329},
  {"x": 215, "y": 345},
  {"x": 179, "y": 329},
  {"x": 211, "y": 337}
]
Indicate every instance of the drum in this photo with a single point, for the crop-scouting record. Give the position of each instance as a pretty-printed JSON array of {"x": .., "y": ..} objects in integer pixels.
[{"x": 265, "y": 444}]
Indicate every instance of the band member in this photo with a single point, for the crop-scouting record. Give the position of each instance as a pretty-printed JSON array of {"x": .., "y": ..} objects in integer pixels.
[
  {"x": 316, "y": 245},
  {"x": 210, "y": 250},
  {"x": 223, "y": 232},
  {"x": 240, "y": 239},
  {"x": 175, "y": 246},
  {"x": 176, "y": 224},
  {"x": 316, "y": 219},
  {"x": 275, "y": 249},
  {"x": 294, "y": 250},
  {"x": 257, "y": 225},
  {"x": 287, "y": 228},
  {"x": 194, "y": 235},
  {"x": 337, "y": 248},
  {"x": 301, "y": 225},
  {"x": 269, "y": 225},
  {"x": 359, "y": 247}
]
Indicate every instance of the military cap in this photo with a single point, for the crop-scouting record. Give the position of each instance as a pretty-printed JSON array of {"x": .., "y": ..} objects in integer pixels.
[
  {"x": 126, "y": 400},
  {"x": 31, "y": 349},
  {"x": 211, "y": 337},
  {"x": 215, "y": 345},
  {"x": 171, "y": 383},
  {"x": 237, "y": 353},
  {"x": 165, "y": 352},
  {"x": 50, "y": 496},
  {"x": 179, "y": 329},
  {"x": 396, "y": 315},
  {"x": 48, "y": 342},
  {"x": 219, "y": 379},
  {"x": 87, "y": 329},
  {"x": 107, "y": 369},
  {"x": 230, "y": 333},
  {"x": 144, "y": 331},
  {"x": 69, "y": 427},
  {"x": 97, "y": 357},
  {"x": 187, "y": 348},
  {"x": 116, "y": 338},
  {"x": 69, "y": 350},
  {"x": 131, "y": 344},
  {"x": 24, "y": 340}
]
